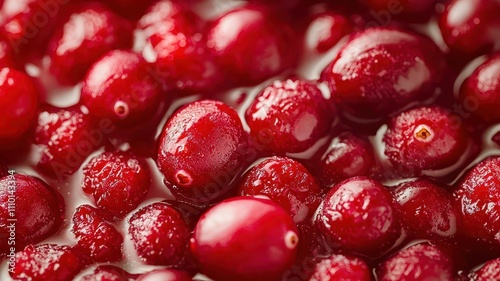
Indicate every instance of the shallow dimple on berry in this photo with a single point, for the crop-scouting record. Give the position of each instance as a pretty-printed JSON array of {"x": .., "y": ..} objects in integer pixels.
[
  {"x": 424, "y": 133},
  {"x": 183, "y": 178},
  {"x": 121, "y": 109},
  {"x": 291, "y": 239}
]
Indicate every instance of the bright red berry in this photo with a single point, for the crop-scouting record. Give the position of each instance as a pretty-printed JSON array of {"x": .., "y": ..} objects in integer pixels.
[
  {"x": 488, "y": 272},
  {"x": 340, "y": 267},
  {"x": 325, "y": 30}
]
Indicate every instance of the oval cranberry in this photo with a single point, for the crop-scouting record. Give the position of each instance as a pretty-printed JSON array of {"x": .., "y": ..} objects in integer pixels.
[
  {"x": 325, "y": 30},
  {"x": 243, "y": 239},
  {"x": 340, "y": 267},
  {"x": 165, "y": 275}
]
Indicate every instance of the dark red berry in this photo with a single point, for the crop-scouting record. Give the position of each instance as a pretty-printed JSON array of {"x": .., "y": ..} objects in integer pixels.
[
  {"x": 165, "y": 275},
  {"x": 340, "y": 267},
  {"x": 245, "y": 238},
  {"x": 202, "y": 148},
  {"x": 286, "y": 182},
  {"x": 46, "y": 262},
  {"x": 107, "y": 273},
  {"x": 160, "y": 235},
  {"x": 118, "y": 181},
  {"x": 37, "y": 208},
  {"x": 325, "y": 30},
  {"x": 289, "y": 116},
  {"x": 488, "y": 272},
  {"x": 359, "y": 215},
  {"x": 86, "y": 32},
  {"x": 382, "y": 70}
]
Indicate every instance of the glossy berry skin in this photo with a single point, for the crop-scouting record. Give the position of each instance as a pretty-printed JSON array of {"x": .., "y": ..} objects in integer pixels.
[
  {"x": 418, "y": 262},
  {"x": 118, "y": 181},
  {"x": 381, "y": 70},
  {"x": 470, "y": 27},
  {"x": 477, "y": 195},
  {"x": 108, "y": 273},
  {"x": 287, "y": 182},
  {"x": 289, "y": 116},
  {"x": 201, "y": 149},
  {"x": 346, "y": 156},
  {"x": 425, "y": 138},
  {"x": 97, "y": 238},
  {"x": 159, "y": 235},
  {"x": 121, "y": 87},
  {"x": 489, "y": 271},
  {"x": 46, "y": 262},
  {"x": 165, "y": 275},
  {"x": 245, "y": 238},
  {"x": 359, "y": 215},
  {"x": 86, "y": 32},
  {"x": 251, "y": 45},
  {"x": 39, "y": 210},
  {"x": 325, "y": 30},
  {"x": 428, "y": 209},
  {"x": 340, "y": 267},
  {"x": 481, "y": 90},
  {"x": 19, "y": 104}
]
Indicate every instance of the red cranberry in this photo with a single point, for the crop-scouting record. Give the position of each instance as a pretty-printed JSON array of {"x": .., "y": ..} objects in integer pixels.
[
  {"x": 286, "y": 182},
  {"x": 18, "y": 110},
  {"x": 478, "y": 198},
  {"x": 121, "y": 87},
  {"x": 425, "y": 138},
  {"x": 160, "y": 235},
  {"x": 488, "y": 272},
  {"x": 107, "y": 273},
  {"x": 46, "y": 262},
  {"x": 289, "y": 116},
  {"x": 87, "y": 32},
  {"x": 37, "y": 208},
  {"x": 251, "y": 45},
  {"x": 418, "y": 262},
  {"x": 340, "y": 267},
  {"x": 346, "y": 156},
  {"x": 427, "y": 209},
  {"x": 481, "y": 90},
  {"x": 118, "y": 181},
  {"x": 381, "y": 70},
  {"x": 166, "y": 275},
  {"x": 359, "y": 215},
  {"x": 325, "y": 30},
  {"x": 471, "y": 27},
  {"x": 97, "y": 239},
  {"x": 243, "y": 239},
  {"x": 201, "y": 150}
]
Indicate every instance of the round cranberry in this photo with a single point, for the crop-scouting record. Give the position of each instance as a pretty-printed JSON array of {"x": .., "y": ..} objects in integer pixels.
[
  {"x": 425, "y": 138},
  {"x": 488, "y": 272},
  {"x": 418, "y": 262},
  {"x": 107, "y": 273},
  {"x": 201, "y": 150},
  {"x": 481, "y": 90},
  {"x": 18, "y": 104},
  {"x": 39, "y": 210},
  {"x": 478, "y": 198},
  {"x": 359, "y": 215},
  {"x": 245, "y": 238},
  {"x": 325, "y": 30},
  {"x": 159, "y": 234},
  {"x": 289, "y": 116},
  {"x": 286, "y": 182},
  {"x": 118, "y": 181},
  {"x": 121, "y": 87},
  {"x": 166, "y": 275},
  {"x": 340, "y": 267},
  {"x": 381, "y": 70},
  {"x": 471, "y": 27},
  {"x": 251, "y": 45},
  {"x": 87, "y": 32},
  {"x": 428, "y": 209}
]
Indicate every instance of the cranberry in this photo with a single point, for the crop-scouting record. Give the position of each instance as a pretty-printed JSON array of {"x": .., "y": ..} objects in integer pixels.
[
  {"x": 201, "y": 150},
  {"x": 165, "y": 275},
  {"x": 289, "y": 116},
  {"x": 87, "y": 32},
  {"x": 418, "y": 262},
  {"x": 425, "y": 138},
  {"x": 471, "y": 27},
  {"x": 381, "y": 70},
  {"x": 97, "y": 239},
  {"x": 359, "y": 215},
  {"x": 346, "y": 156},
  {"x": 340, "y": 267},
  {"x": 286, "y": 182},
  {"x": 39, "y": 211},
  {"x": 243, "y": 239},
  {"x": 107, "y": 273},
  {"x": 118, "y": 181},
  {"x": 121, "y": 87},
  {"x": 160, "y": 235},
  {"x": 489, "y": 271},
  {"x": 325, "y": 30},
  {"x": 251, "y": 45},
  {"x": 46, "y": 262},
  {"x": 478, "y": 198},
  {"x": 482, "y": 90},
  {"x": 18, "y": 104}
]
